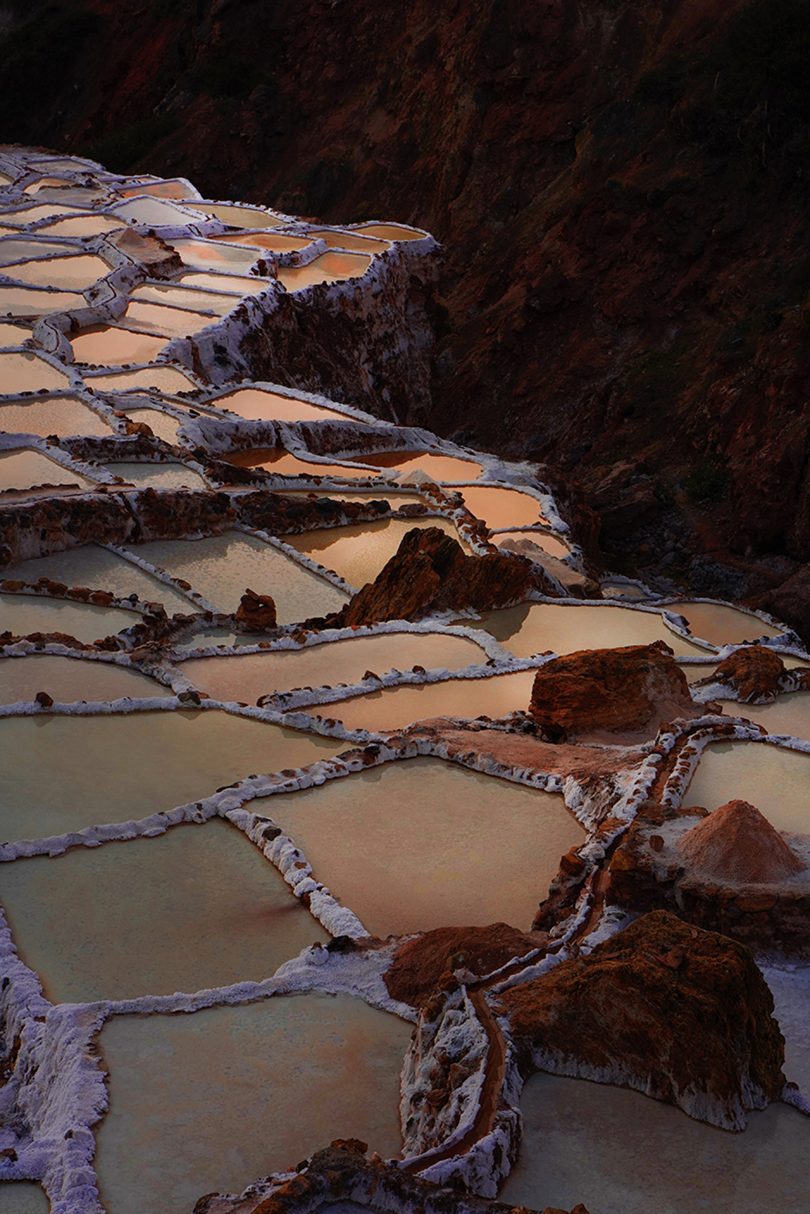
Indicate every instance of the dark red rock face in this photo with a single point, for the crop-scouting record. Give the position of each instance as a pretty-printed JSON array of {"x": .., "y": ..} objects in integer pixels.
[
  {"x": 430, "y": 572},
  {"x": 628, "y": 692},
  {"x": 621, "y": 193},
  {"x": 423, "y": 964},
  {"x": 754, "y": 672},
  {"x": 256, "y": 612},
  {"x": 682, "y": 1014}
]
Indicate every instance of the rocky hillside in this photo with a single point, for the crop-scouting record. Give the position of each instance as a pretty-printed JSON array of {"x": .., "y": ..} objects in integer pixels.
[{"x": 621, "y": 189}]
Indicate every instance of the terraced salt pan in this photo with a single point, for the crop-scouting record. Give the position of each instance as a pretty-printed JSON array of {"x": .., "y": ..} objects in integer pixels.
[
  {"x": 22, "y": 614},
  {"x": 26, "y": 469},
  {"x": 359, "y": 551},
  {"x": 63, "y": 416},
  {"x": 101, "y": 569},
  {"x": 195, "y": 908},
  {"x": 237, "y": 216},
  {"x": 255, "y": 404},
  {"x": 328, "y": 267},
  {"x": 15, "y": 250},
  {"x": 28, "y": 215},
  {"x": 205, "y": 254},
  {"x": 222, "y": 567},
  {"x": 157, "y": 189},
  {"x": 789, "y": 714},
  {"x": 236, "y": 284},
  {"x": 108, "y": 346},
  {"x": 537, "y": 627},
  {"x": 282, "y": 463},
  {"x": 21, "y": 371},
  {"x": 439, "y": 467},
  {"x": 395, "y": 500},
  {"x": 77, "y": 272},
  {"x": 76, "y": 771},
  {"x": 396, "y": 707},
  {"x": 677, "y": 1165},
  {"x": 69, "y": 679},
  {"x": 722, "y": 625},
  {"x": 277, "y": 242},
  {"x": 162, "y": 425},
  {"x": 158, "y": 476},
  {"x": 28, "y": 301},
  {"x": 166, "y": 379},
  {"x": 181, "y": 297},
  {"x": 777, "y": 781},
  {"x": 82, "y": 225},
  {"x": 440, "y": 845},
  {"x": 22, "y": 1198},
  {"x": 246, "y": 678},
  {"x": 13, "y": 335},
  {"x": 219, "y": 636},
  {"x": 170, "y": 322},
  {"x": 339, "y": 239},
  {"x": 502, "y": 507},
  {"x": 155, "y": 212},
  {"x": 281, "y": 1074},
  {"x": 549, "y": 543},
  {"x": 389, "y": 231}
]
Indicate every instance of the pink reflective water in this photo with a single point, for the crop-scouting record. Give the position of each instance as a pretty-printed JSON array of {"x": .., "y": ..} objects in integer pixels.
[{"x": 396, "y": 707}]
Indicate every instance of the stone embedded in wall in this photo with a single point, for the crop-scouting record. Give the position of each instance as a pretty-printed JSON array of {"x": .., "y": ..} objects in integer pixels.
[
  {"x": 754, "y": 672},
  {"x": 678, "y": 1013},
  {"x": 430, "y": 961},
  {"x": 256, "y": 612},
  {"x": 629, "y": 692}
]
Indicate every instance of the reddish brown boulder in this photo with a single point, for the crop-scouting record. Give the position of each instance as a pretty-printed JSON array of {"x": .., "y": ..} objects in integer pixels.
[
  {"x": 421, "y": 965},
  {"x": 754, "y": 672},
  {"x": 737, "y": 843},
  {"x": 628, "y": 691},
  {"x": 680, "y": 1014},
  {"x": 431, "y": 572},
  {"x": 256, "y": 612}
]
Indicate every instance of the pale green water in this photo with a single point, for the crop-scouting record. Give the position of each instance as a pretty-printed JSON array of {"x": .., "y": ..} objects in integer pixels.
[
  {"x": 359, "y": 551},
  {"x": 619, "y": 1152},
  {"x": 158, "y": 476},
  {"x": 789, "y": 714},
  {"x": 246, "y": 678},
  {"x": 284, "y": 1077},
  {"x": 222, "y": 567},
  {"x": 68, "y": 679},
  {"x": 396, "y": 707},
  {"x": 154, "y": 212},
  {"x": 101, "y": 569},
  {"x": 61, "y": 417},
  {"x": 537, "y": 627},
  {"x": 195, "y": 908},
  {"x": 777, "y": 781},
  {"x": 23, "y": 614},
  {"x": 70, "y": 772},
  {"x": 22, "y": 1198},
  {"x": 440, "y": 845}
]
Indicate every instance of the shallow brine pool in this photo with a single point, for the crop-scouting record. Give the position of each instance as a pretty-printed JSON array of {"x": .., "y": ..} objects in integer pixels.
[
  {"x": 537, "y": 627},
  {"x": 63, "y": 416},
  {"x": 396, "y": 707},
  {"x": 23, "y": 614},
  {"x": 100, "y": 569},
  {"x": 777, "y": 781},
  {"x": 69, "y": 679},
  {"x": 359, "y": 551}
]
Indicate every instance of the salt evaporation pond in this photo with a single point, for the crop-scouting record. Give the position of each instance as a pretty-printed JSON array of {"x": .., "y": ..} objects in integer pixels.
[
  {"x": 222, "y": 567},
  {"x": 82, "y": 225},
  {"x": 168, "y": 321},
  {"x": 21, "y": 371},
  {"x": 776, "y": 780},
  {"x": 438, "y": 467},
  {"x": 722, "y": 625},
  {"x": 205, "y": 253},
  {"x": 256, "y": 404},
  {"x": 502, "y": 507},
  {"x": 394, "y": 844},
  {"x": 32, "y": 301},
  {"x": 78, "y": 271},
  {"x": 17, "y": 250},
  {"x": 619, "y": 1152},
  {"x": 789, "y": 714},
  {"x": 284, "y": 1076},
  {"x": 161, "y": 376},
  {"x": 327, "y": 267},
  {"x": 789, "y": 983},
  {"x": 395, "y": 500},
  {"x": 61, "y": 416},
  {"x": 100, "y": 569},
  {"x": 75, "y": 771},
  {"x": 109, "y": 346},
  {"x": 22, "y": 614},
  {"x": 22, "y": 1198},
  {"x": 538, "y": 627},
  {"x": 278, "y": 242},
  {"x": 185, "y": 297},
  {"x": 162, "y": 425},
  {"x": 359, "y": 551},
  {"x": 26, "y": 469},
  {"x": 549, "y": 543},
  {"x": 396, "y": 707},
  {"x": 282, "y": 463},
  {"x": 196, "y": 908},
  {"x": 248, "y": 677},
  {"x": 69, "y": 679},
  {"x": 167, "y": 475}
]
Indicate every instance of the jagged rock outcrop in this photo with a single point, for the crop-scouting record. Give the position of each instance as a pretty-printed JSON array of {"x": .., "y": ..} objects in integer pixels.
[
  {"x": 754, "y": 672},
  {"x": 431, "y": 572},
  {"x": 678, "y": 1013},
  {"x": 256, "y": 612},
  {"x": 737, "y": 843},
  {"x": 628, "y": 692},
  {"x": 427, "y": 962}
]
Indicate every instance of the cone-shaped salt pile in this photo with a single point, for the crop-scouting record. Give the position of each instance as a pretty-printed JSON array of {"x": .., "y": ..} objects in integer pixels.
[{"x": 737, "y": 843}]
